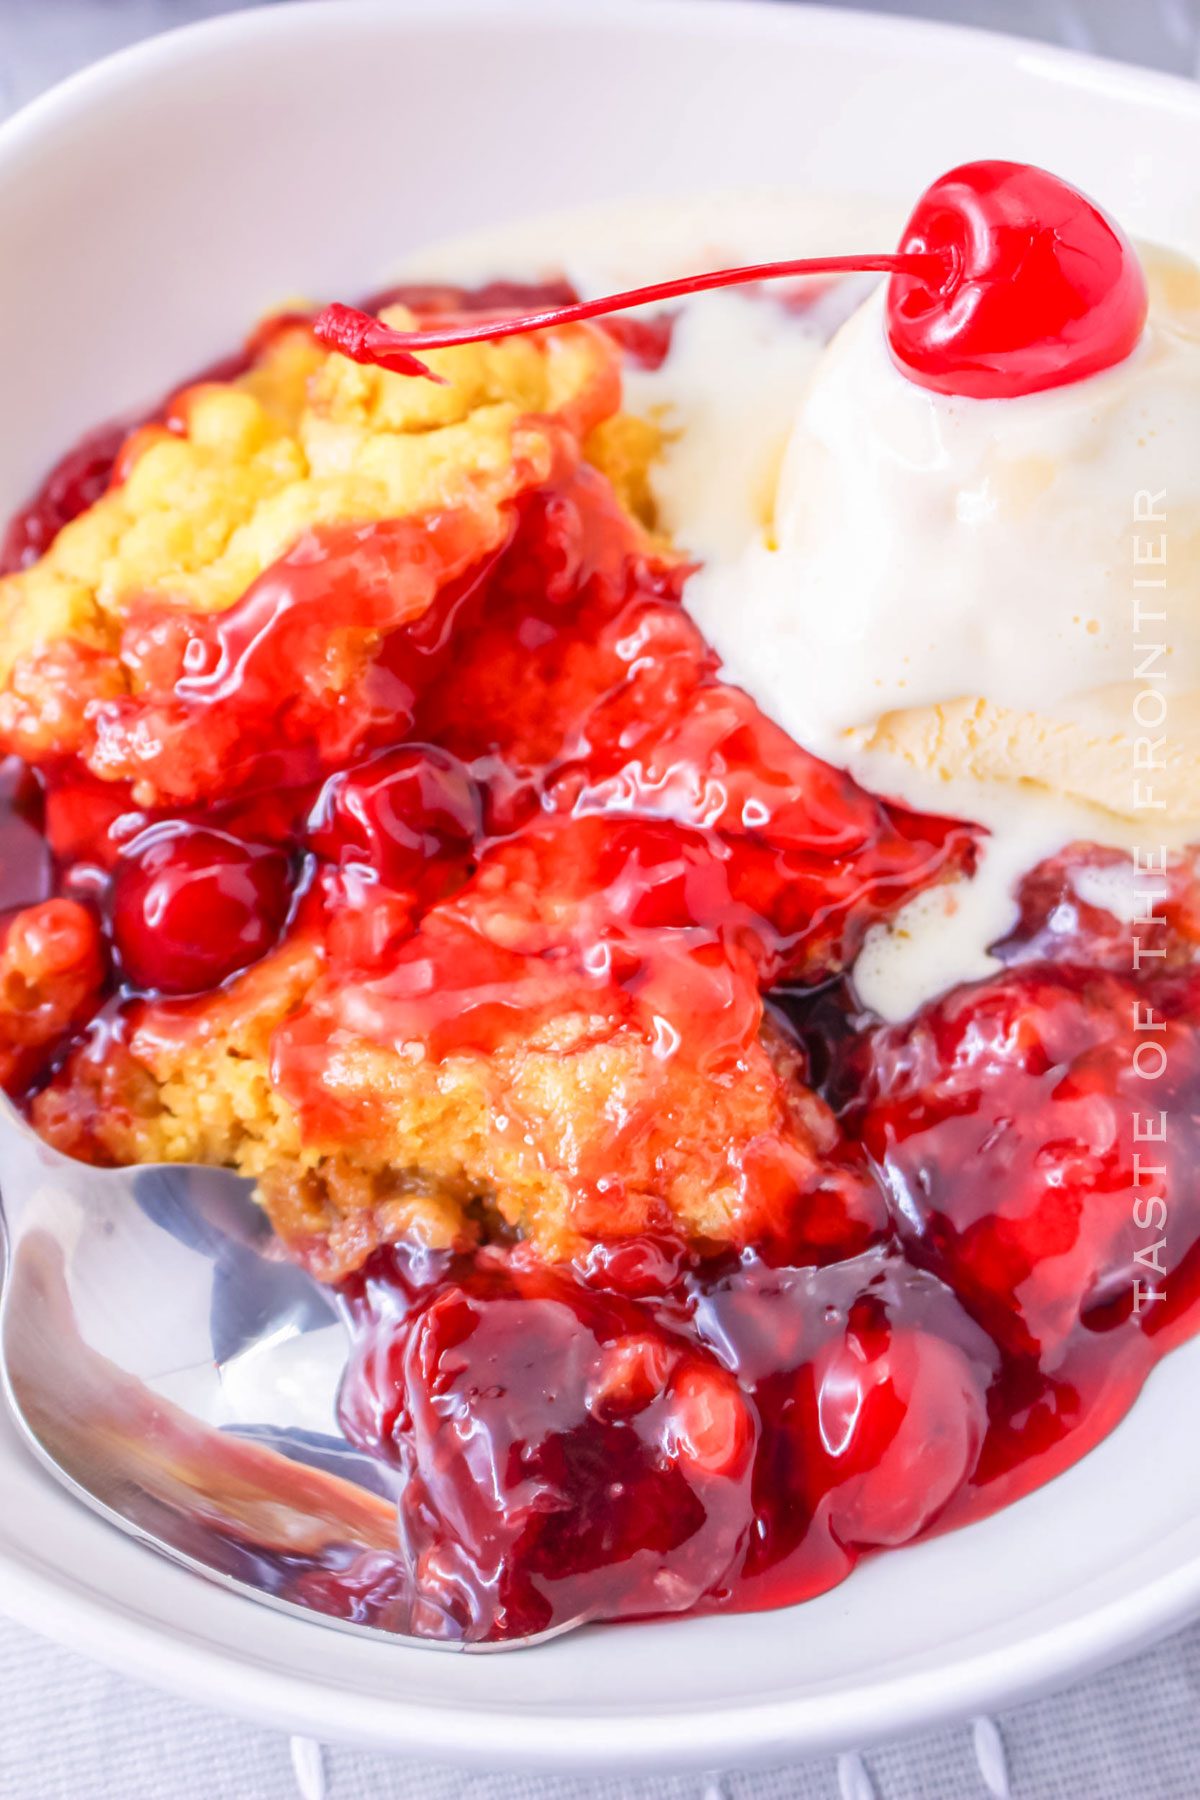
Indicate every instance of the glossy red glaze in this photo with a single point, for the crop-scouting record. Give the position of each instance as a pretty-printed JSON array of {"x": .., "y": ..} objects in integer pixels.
[
  {"x": 518, "y": 1368},
  {"x": 25, "y": 869},
  {"x": 439, "y": 298},
  {"x": 53, "y": 973},
  {"x": 191, "y": 907},
  {"x": 735, "y": 1441},
  {"x": 401, "y": 814},
  {"x": 1030, "y": 1081},
  {"x": 646, "y": 342}
]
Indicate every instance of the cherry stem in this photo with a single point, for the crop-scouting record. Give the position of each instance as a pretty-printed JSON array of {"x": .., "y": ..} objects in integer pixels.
[{"x": 366, "y": 340}]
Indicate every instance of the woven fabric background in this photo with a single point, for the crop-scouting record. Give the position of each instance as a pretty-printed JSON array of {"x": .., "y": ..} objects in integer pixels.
[{"x": 70, "y": 1730}]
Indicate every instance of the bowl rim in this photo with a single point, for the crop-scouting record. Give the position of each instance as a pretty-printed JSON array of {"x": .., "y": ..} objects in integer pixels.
[
  {"x": 91, "y": 85},
  {"x": 744, "y": 1735},
  {"x": 744, "y": 1732}
]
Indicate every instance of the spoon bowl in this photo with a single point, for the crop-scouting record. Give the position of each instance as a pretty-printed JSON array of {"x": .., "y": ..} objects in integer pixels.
[{"x": 167, "y": 1363}]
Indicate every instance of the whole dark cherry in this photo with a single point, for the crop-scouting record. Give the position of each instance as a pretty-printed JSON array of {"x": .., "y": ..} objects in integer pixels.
[
  {"x": 191, "y": 906},
  {"x": 899, "y": 1422},
  {"x": 399, "y": 813},
  {"x": 565, "y": 1455},
  {"x": 1008, "y": 280}
]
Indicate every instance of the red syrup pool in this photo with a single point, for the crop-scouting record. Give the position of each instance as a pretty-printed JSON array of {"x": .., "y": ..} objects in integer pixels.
[{"x": 950, "y": 1311}]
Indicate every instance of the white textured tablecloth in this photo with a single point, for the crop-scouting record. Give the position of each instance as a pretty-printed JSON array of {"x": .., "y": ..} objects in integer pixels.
[{"x": 72, "y": 1731}]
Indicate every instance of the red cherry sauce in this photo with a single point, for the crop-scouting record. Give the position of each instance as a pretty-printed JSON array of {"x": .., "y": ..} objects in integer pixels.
[{"x": 938, "y": 1317}]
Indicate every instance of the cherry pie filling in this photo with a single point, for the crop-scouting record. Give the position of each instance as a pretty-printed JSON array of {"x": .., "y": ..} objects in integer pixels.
[{"x": 958, "y": 1245}]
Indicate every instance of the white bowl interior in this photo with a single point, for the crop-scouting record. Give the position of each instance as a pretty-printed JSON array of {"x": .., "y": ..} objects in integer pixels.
[{"x": 148, "y": 212}]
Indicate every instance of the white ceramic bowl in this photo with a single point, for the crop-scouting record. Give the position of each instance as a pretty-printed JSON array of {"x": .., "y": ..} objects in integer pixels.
[{"x": 148, "y": 210}]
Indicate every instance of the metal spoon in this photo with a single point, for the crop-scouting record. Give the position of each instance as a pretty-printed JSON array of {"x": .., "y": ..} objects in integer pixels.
[{"x": 171, "y": 1368}]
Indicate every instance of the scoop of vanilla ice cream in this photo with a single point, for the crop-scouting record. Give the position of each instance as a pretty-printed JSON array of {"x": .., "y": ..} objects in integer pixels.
[{"x": 952, "y": 594}]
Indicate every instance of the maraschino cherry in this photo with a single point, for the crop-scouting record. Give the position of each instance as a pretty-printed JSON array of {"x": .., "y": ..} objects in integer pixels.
[
  {"x": 1008, "y": 280},
  {"x": 1045, "y": 288}
]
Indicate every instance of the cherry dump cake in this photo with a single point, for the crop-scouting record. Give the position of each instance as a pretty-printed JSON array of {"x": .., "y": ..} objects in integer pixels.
[{"x": 747, "y": 1096}]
